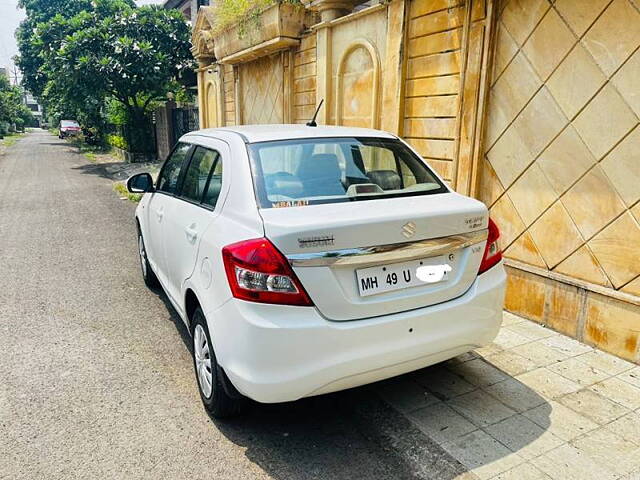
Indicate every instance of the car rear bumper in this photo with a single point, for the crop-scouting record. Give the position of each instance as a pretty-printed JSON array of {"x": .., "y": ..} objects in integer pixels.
[{"x": 275, "y": 353}]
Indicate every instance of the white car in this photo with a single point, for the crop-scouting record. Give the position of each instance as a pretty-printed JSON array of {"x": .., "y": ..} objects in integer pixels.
[{"x": 306, "y": 260}]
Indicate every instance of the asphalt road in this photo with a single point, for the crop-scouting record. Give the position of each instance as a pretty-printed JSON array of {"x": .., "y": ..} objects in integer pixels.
[{"x": 96, "y": 378}]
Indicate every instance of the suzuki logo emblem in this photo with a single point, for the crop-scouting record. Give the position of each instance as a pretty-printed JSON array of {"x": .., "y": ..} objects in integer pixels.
[{"x": 409, "y": 230}]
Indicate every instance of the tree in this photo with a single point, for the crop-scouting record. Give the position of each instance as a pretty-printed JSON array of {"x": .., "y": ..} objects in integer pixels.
[
  {"x": 132, "y": 56},
  {"x": 30, "y": 60},
  {"x": 13, "y": 111},
  {"x": 108, "y": 50}
]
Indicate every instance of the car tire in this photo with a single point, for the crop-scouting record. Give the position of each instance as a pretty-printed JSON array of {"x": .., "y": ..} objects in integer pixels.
[
  {"x": 209, "y": 375},
  {"x": 148, "y": 274}
]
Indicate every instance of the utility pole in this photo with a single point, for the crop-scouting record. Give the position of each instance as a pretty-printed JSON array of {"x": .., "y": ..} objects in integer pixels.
[{"x": 15, "y": 75}]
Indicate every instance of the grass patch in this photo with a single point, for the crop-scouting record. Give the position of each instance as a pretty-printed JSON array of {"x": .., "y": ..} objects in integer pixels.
[
  {"x": 121, "y": 189},
  {"x": 91, "y": 157},
  {"x": 10, "y": 139}
]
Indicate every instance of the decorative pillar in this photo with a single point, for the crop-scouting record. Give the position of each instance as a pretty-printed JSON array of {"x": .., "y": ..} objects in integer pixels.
[
  {"x": 331, "y": 9},
  {"x": 394, "y": 67},
  {"x": 204, "y": 63},
  {"x": 323, "y": 72}
]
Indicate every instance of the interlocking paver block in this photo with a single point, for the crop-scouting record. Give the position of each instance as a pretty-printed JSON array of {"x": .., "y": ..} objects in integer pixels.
[
  {"x": 481, "y": 408},
  {"x": 478, "y": 372},
  {"x": 523, "y": 436},
  {"x": 539, "y": 354},
  {"x": 442, "y": 383},
  {"x": 531, "y": 330},
  {"x": 631, "y": 376},
  {"x": 405, "y": 395},
  {"x": 524, "y": 471},
  {"x": 560, "y": 420},
  {"x": 610, "y": 451},
  {"x": 627, "y": 427},
  {"x": 441, "y": 422},
  {"x": 548, "y": 383},
  {"x": 605, "y": 362},
  {"x": 578, "y": 372},
  {"x": 483, "y": 454},
  {"x": 594, "y": 406},
  {"x": 566, "y": 345},
  {"x": 619, "y": 391},
  {"x": 569, "y": 463},
  {"x": 511, "y": 363},
  {"x": 515, "y": 394}
]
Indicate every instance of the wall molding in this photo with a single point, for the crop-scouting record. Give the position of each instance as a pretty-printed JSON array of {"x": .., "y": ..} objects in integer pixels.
[
  {"x": 375, "y": 96},
  {"x": 575, "y": 282}
]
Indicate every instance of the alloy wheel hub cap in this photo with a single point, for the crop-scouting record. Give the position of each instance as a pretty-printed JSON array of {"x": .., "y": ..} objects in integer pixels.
[{"x": 203, "y": 360}]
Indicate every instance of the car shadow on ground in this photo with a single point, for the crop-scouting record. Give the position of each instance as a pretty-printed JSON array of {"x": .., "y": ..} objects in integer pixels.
[
  {"x": 438, "y": 422},
  {"x": 55, "y": 144},
  {"x": 116, "y": 171}
]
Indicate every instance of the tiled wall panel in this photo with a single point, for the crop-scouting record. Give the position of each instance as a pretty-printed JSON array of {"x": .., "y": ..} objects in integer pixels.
[
  {"x": 304, "y": 80},
  {"x": 229, "y": 95},
  {"x": 561, "y": 169},
  {"x": 437, "y": 65}
]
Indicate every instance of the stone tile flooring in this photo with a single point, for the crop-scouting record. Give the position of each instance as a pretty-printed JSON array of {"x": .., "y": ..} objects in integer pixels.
[{"x": 535, "y": 404}]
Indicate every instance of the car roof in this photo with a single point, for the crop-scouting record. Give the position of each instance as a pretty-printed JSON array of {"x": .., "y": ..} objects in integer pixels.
[{"x": 267, "y": 133}]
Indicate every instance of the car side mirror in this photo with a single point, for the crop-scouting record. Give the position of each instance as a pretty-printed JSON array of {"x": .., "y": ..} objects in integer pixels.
[{"x": 140, "y": 183}]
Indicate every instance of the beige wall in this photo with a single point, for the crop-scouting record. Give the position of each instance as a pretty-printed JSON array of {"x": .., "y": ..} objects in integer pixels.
[
  {"x": 531, "y": 106},
  {"x": 561, "y": 170}
]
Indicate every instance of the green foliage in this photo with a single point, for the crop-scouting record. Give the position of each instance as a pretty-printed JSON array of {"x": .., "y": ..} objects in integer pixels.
[
  {"x": 12, "y": 109},
  {"x": 244, "y": 13},
  {"x": 118, "y": 141},
  {"x": 121, "y": 190},
  {"x": 11, "y": 139}
]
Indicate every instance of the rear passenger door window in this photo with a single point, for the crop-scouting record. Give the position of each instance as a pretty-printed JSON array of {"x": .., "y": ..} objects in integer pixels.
[
  {"x": 198, "y": 174},
  {"x": 212, "y": 192},
  {"x": 168, "y": 178},
  {"x": 202, "y": 180}
]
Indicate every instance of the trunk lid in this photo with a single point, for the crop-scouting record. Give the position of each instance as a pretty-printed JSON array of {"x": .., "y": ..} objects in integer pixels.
[{"x": 335, "y": 249}]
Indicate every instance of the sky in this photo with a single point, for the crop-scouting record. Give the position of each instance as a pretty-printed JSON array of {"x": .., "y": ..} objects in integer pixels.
[{"x": 10, "y": 18}]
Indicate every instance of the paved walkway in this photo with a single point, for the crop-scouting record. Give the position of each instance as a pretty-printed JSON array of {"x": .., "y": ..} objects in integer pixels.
[{"x": 535, "y": 404}]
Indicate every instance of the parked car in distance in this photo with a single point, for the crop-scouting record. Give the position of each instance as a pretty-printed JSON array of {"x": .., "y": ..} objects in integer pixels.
[
  {"x": 306, "y": 260},
  {"x": 68, "y": 128}
]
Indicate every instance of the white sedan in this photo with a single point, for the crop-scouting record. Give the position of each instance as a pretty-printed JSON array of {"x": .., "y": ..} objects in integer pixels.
[{"x": 306, "y": 260}]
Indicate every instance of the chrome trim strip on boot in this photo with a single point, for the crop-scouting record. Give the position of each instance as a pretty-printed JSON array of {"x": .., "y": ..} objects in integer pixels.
[{"x": 389, "y": 253}]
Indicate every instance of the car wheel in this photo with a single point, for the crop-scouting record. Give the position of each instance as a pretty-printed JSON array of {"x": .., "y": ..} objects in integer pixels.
[
  {"x": 148, "y": 275},
  {"x": 215, "y": 398}
]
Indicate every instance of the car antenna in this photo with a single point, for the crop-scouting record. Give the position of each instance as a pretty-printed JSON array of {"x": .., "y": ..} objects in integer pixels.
[{"x": 313, "y": 123}]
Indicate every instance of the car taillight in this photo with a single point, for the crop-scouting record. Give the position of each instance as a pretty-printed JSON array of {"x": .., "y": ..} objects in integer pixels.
[
  {"x": 258, "y": 272},
  {"x": 492, "y": 252}
]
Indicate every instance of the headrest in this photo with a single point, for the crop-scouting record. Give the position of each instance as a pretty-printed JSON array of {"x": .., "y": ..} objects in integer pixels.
[{"x": 385, "y": 179}]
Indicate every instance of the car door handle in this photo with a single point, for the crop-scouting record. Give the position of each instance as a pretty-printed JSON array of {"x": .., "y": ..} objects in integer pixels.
[
  {"x": 192, "y": 233},
  {"x": 160, "y": 213}
]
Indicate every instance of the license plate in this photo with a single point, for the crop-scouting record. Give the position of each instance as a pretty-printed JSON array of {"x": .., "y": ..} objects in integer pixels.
[{"x": 397, "y": 276}]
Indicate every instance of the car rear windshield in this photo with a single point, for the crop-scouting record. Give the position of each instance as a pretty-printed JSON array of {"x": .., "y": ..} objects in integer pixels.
[
  {"x": 69, "y": 123},
  {"x": 292, "y": 173}
]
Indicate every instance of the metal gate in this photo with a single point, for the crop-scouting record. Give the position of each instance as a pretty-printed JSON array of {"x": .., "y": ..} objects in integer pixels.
[{"x": 184, "y": 120}]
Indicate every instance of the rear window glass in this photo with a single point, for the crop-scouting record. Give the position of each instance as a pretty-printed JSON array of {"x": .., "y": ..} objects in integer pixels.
[{"x": 330, "y": 170}]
